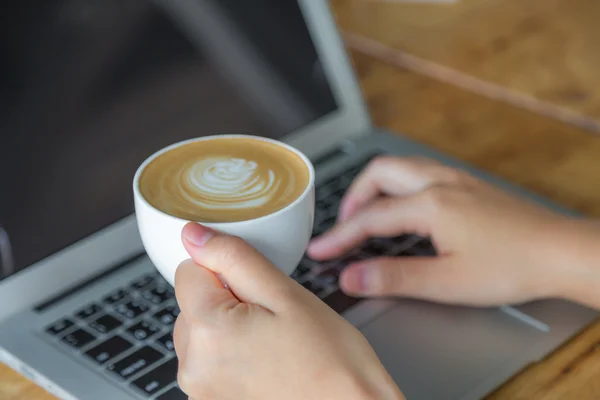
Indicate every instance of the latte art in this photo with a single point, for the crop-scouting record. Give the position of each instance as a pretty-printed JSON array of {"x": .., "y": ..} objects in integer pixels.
[
  {"x": 224, "y": 180},
  {"x": 221, "y": 183}
]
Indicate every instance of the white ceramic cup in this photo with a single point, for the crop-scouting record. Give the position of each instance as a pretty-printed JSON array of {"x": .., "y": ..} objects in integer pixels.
[{"x": 282, "y": 236}]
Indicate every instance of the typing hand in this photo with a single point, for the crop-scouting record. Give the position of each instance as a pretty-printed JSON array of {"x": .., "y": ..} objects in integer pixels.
[
  {"x": 263, "y": 336},
  {"x": 493, "y": 248}
]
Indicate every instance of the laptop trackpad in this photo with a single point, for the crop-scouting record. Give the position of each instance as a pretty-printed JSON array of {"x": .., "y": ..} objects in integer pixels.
[{"x": 438, "y": 352}]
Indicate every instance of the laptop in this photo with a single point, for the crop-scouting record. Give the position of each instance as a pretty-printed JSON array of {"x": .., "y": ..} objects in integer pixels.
[{"x": 90, "y": 89}]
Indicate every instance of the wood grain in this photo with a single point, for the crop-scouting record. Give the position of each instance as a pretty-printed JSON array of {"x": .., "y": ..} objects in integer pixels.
[
  {"x": 542, "y": 154},
  {"x": 546, "y": 49},
  {"x": 16, "y": 387}
]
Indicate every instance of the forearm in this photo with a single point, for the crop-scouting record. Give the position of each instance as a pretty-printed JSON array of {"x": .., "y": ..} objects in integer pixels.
[
  {"x": 584, "y": 284},
  {"x": 587, "y": 291},
  {"x": 580, "y": 260}
]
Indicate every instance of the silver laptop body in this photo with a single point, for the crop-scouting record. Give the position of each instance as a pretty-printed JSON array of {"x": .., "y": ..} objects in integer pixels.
[{"x": 92, "y": 321}]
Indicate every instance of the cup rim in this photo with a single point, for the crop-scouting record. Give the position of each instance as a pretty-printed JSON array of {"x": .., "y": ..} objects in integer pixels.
[{"x": 311, "y": 178}]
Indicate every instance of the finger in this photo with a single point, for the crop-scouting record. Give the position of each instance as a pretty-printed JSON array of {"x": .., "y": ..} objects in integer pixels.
[
  {"x": 392, "y": 176},
  {"x": 249, "y": 275},
  {"x": 181, "y": 336},
  {"x": 385, "y": 217},
  {"x": 200, "y": 292},
  {"x": 181, "y": 339},
  {"x": 426, "y": 278}
]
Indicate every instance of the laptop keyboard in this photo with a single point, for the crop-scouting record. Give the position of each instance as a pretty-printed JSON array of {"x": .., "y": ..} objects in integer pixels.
[{"x": 128, "y": 333}]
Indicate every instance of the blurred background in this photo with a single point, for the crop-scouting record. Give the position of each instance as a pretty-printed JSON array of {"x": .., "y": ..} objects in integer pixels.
[
  {"x": 89, "y": 89},
  {"x": 507, "y": 85},
  {"x": 511, "y": 86}
]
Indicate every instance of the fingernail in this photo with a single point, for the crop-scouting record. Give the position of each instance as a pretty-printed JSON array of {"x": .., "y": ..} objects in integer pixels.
[
  {"x": 359, "y": 279},
  {"x": 353, "y": 279},
  {"x": 315, "y": 243},
  {"x": 196, "y": 234}
]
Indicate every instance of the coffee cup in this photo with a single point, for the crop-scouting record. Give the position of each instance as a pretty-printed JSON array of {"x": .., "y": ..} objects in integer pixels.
[{"x": 256, "y": 188}]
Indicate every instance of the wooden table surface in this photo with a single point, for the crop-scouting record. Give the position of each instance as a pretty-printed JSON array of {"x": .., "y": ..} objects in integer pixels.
[
  {"x": 547, "y": 49},
  {"x": 548, "y": 156}
]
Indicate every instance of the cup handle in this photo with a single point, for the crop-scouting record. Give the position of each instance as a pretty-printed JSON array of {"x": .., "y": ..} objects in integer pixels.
[{"x": 7, "y": 265}]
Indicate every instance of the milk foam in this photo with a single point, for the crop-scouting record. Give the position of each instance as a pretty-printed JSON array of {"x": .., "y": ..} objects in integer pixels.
[
  {"x": 224, "y": 180},
  {"x": 220, "y": 183}
]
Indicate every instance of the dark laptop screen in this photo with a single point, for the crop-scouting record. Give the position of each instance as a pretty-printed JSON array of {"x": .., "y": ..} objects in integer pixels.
[{"x": 88, "y": 89}]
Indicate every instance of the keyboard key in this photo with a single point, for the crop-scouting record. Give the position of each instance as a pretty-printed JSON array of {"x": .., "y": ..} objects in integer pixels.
[
  {"x": 88, "y": 311},
  {"x": 339, "y": 302},
  {"x": 333, "y": 203},
  {"x": 167, "y": 316},
  {"x": 406, "y": 238},
  {"x": 116, "y": 296},
  {"x": 158, "y": 378},
  {"x": 337, "y": 183},
  {"x": 323, "y": 191},
  {"x": 328, "y": 223},
  {"x": 166, "y": 341},
  {"x": 303, "y": 268},
  {"x": 105, "y": 323},
  {"x": 173, "y": 394},
  {"x": 161, "y": 281},
  {"x": 363, "y": 164},
  {"x": 132, "y": 309},
  {"x": 135, "y": 362},
  {"x": 320, "y": 214},
  {"x": 144, "y": 329},
  {"x": 296, "y": 275},
  {"x": 59, "y": 326},
  {"x": 329, "y": 277},
  {"x": 143, "y": 282},
  {"x": 423, "y": 248},
  {"x": 321, "y": 204},
  {"x": 337, "y": 265},
  {"x": 317, "y": 231},
  {"x": 352, "y": 173},
  {"x": 109, "y": 349},
  {"x": 377, "y": 248},
  {"x": 337, "y": 195},
  {"x": 354, "y": 256},
  {"x": 159, "y": 294},
  {"x": 78, "y": 338},
  {"x": 411, "y": 252},
  {"x": 312, "y": 286}
]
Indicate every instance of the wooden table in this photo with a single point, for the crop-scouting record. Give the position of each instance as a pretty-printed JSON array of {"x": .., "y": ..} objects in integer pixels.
[
  {"x": 540, "y": 153},
  {"x": 545, "y": 49}
]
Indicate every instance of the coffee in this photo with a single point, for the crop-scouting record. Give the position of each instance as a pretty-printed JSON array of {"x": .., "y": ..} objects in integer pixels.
[{"x": 224, "y": 179}]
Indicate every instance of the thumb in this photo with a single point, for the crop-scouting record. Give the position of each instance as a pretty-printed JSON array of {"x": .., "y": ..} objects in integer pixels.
[
  {"x": 426, "y": 278},
  {"x": 249, "y": 275},
  {"x": 199, "y": 292}
]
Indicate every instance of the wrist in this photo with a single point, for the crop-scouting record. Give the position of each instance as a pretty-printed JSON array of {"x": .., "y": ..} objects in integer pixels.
[{"x": 575, "y": 255}]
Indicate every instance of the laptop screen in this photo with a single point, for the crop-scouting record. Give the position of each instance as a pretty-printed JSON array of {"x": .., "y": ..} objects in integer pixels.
[{"x": 89, "y": 89}]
